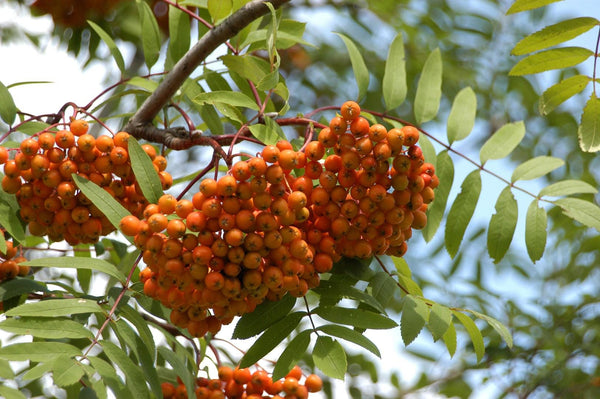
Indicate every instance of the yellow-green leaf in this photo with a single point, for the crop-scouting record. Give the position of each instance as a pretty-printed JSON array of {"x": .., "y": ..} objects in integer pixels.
[
  {"x": 473, "y": 332},
  {"x": 330, "y": 358},
  {"x": 55, "y": 307},
  {"x": 502, "y": 142},
  {"x": 525, "y": 5},
  {"x": 589, "y": 129},
  {"x": 536, "y": 223},
  {"x": 554, "y": 34},
  {"x": 361, "y": 73},
  {"x": 394, "y": 77},
  {"x": 429, "y": 88},
  {"x": 561, "y": 92},
  {"x": 536, "y": 167},
  {"x": 462, "y": 115},
  {"x": 547, "y": 60}
]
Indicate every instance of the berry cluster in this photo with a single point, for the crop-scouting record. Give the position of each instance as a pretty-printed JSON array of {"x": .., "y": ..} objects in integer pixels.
[
  {"x": 10, "y": 266},
  {"x": 242, "y": 383},
  {"x": 374, "y": 185},
  {"x": 40, "y": 174}
]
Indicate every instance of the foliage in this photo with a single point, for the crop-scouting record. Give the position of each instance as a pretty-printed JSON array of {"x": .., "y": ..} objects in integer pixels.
[{"x": 94, "y": 329}]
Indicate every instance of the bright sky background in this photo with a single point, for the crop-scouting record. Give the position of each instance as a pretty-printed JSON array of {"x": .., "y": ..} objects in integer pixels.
[{"x": 22, "y": 62}]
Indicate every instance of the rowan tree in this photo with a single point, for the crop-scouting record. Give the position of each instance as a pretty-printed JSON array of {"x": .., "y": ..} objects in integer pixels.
[{"x": 247, "y": 200}]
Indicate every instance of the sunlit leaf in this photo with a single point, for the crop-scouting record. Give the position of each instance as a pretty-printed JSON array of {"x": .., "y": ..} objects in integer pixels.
[
  {"x": 136, "y": 381},
  {"x": 525, "y": 5},
  {"x": 70, "y": 262},
  {"x": 45, "y": 327},
  {"x": 473, "y": 332},
  {"x": 462, "y": 115},
  {"x": 272, "y": 337},
  {"x": 293, "y": 352},
  {"x": 561, "y": 92},
  {"x": 330, "y": 358},
  {"x": 37, "y": 351},
  {"x": 502, "y": 225},
  {"x": 234, "y": 98},
  {"x": 361, "y": 73},
  {"x": 440, "y": 319},
  {"x": 350, "y": 335},
  {"x": 435, "y": 212},
  {"x": 144, "y": 171},
  {"x": 554, "y": 34},
  {"x": 55, "y": 307},
  {"x": 110, "y": 43},
  {"x": 219, "y": 9},
  {"x": 535, "y": 231},
  {"x": 584, "y": 212},
  {"x": 502, "y": 142},
  {"x": 247, "y": 66},
  {"x": 151, "y": 40},
  {"x": 589, "y": 129},
  {"x": 269, "y": 133},
  {"x": 558, "y": 58},
  {"x": 567, "y": 187},
  {"x": 536, "y": 167},
  {"x": 10, "y": 393},
  {"x": 461, "y": 212},
  {"x": 496, "y": 325},
  {"x": 450, "y": 339},
  {"x": 355, "y": 317},
  {"x": 429, "y": 88},
  {"x": 105, "y": 202},
  {"x": 8, "y": 109},
  {"x": 394, "y": 77},
  {"x": 415, "y": 313},
  {"x": 66, "y": 371}
]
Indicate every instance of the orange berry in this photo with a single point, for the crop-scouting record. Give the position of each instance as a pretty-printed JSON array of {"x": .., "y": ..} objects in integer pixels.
[
  {"x": 411, "y": 135},
  {"x": 359, "y": 126},
  {"x": 313, "y": 383},
  {"x": 350, "y": 110},
  {"x": 78, "y": 127},
  {"x": 130, "y": 225},
  {"x": 270, "y": 153}
]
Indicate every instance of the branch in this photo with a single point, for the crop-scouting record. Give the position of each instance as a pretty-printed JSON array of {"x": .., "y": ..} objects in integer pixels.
[{"x": 191, "y": 60}]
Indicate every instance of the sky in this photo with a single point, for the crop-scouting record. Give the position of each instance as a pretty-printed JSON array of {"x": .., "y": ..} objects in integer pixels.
[{"x": 22, "y": 62}]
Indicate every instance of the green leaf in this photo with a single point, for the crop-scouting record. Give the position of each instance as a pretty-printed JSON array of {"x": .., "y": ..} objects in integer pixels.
[
  {"x": 144, "y": 171},
  {"x": 462, "y": 115},
  {"x": 440, "y": 319},
  {"x": 383, "y": 287},
  {"x": 69, "y": 262},
  {"x": 473, "y": 332},
  {"x": 330, "y": 358},
  {"x": 8, "y": 109},
  {"x": 234, "y": 98},
  {"x": 429, "y": 88},
  {"x": 536, "y": 167},
  {"x": 589, "y": 130},
  {"x": 558, "y": 58},
  {"x": 9, "y": 216},
  {"x": 105, "y": 202},
  {"x": 55, "y": 307},
  {"x": 46, "y": 328},
  {"x": 361, "y": 73},
  {"x": 525, "y": 5},
  {"x": 265, "y": 314},
  {"x": 502, "y": 225},
  {"x": 247, "y": 66},
  {"x": 179, "y": 34},
  {"x": 180, "y": 369},
  {"x": 66, "y": 371},
  {"x": 350, "y": 335},
  {"x": 32, "y": 127},
  {"x": 336, "y": 289},
  {"x": 141, "y": 325},
  {"x": 554, "y": 34},
  {"x": 272, "y": 337},
  {"x": 136, "y": 381},
  {"x": 110, "y": 43},
  {"x": 561, "y": 92},
  {"x": 415, "y": 314},
  {"x": 435, "y": 212},
  {"x": 151, "y": 40},
  {"x": 269, "y": 133},
  {"x": 428, "y": 150},
  {"x": 584, "y": 212},
  {"x": 567, "y": 187},
  {"x": 502, "y": 142},
  {"x": 450, "y": 339},
  {"x": 18, "y": 286},
  {"x": 461, "y": 212},
  {"x": 6, "y": 371},
  {"x": 394, "y": 76},
  {"x": 10, "y": 393},
  {"x": 293, "y": 352},
  {"x": 355, "y": 317},
  {"x": 535, "y": 231},
  {"x": 37, "y": 351},
  {"x": 110, "y": 377},
  {"x": 219, "y": 9},
  {"x": 401, "y": 266},
  {"x": 496, "y": 325}
]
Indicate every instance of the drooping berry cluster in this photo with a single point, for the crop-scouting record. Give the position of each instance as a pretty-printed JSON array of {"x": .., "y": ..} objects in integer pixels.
[
  {"x": 10, "y": 262},
  {"x": 40, "y": 174},
  {"x": 242, "y": 383}
]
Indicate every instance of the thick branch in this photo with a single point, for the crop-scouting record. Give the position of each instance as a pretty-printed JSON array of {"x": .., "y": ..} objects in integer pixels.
[{"x": 194, "y": 57}]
